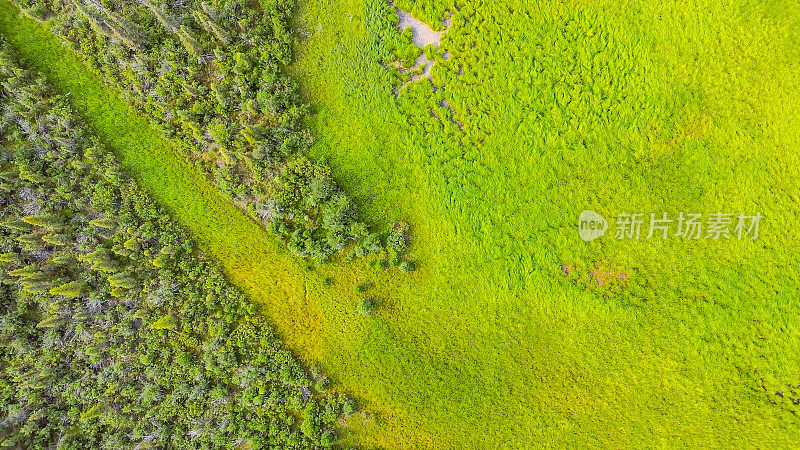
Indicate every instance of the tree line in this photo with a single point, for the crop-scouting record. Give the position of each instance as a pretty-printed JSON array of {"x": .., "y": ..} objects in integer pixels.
[{"x": 115, "y": 330}]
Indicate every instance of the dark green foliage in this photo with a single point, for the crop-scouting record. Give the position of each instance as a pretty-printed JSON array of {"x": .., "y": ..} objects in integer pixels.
[
  {"x": 397, "y": 240},
  {"x": 115, "y": 331},
  {"x": 407, "y": 266},
  {"x": 361, "y": 288},
  {"x": 366, "y": 306}
]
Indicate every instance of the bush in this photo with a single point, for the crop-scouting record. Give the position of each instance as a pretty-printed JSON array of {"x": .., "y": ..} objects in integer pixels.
[
  {"x": 323, "y": 384},
  {"x": 397, "y": 239},
  {"x": 327, "y": 438},
  {"x": 348, "y": 406},
  {"x": 407, "y": 266},
  {"x": 366, "y": 306}
]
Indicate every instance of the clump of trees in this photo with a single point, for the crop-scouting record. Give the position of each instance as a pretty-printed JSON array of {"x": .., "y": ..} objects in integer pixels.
[
  {"x": 210, "y": 73},
  {"x": 115, "y": 331}
]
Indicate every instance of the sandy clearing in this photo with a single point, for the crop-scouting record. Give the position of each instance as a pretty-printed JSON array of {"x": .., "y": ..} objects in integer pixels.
[{"x": 423, "y": 34}]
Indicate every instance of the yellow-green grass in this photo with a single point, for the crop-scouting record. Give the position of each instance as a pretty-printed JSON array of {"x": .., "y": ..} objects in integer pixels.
[
  {"x": 613, "y": 106},
  {"x": 489, "y": 344}
]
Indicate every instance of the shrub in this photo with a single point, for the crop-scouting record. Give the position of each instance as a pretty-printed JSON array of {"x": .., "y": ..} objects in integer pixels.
[
  {"x": 323, "y": 384},
  {"x": 397, "y": 239},
  {"x": 366, "y": 306},
  {"x": 327, "y": 438},
  {"x": 407, "y": 266}
]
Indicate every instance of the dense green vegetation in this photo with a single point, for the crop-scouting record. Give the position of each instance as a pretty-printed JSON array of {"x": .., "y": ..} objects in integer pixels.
[
  {"x": 210, "y": 73},
  {"x": 115, "y": 330}
]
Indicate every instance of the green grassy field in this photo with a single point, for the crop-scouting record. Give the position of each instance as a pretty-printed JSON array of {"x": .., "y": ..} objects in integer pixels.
[
  {"x": 633, "y": 106},
  {"x": 637, "y": 107}
]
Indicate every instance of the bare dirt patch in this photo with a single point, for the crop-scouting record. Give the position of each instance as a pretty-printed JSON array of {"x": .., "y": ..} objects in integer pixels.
[{"x": 423, "y": 34}]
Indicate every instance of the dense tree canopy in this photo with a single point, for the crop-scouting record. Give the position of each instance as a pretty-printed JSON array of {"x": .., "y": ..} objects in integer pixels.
[{"x": 115, "y": 330}]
